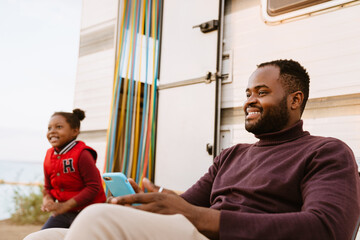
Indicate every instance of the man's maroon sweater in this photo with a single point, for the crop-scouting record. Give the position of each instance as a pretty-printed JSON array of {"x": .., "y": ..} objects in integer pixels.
[{"x": 288, "y": 185}]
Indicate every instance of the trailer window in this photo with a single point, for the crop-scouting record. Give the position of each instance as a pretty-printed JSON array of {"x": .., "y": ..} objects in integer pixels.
[
  {"x": 279, "y": 10},
  {"x": 277, "y": 7}
]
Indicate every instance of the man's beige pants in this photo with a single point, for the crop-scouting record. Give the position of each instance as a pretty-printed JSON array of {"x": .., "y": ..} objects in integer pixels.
[{"x": 114, "y": 222}]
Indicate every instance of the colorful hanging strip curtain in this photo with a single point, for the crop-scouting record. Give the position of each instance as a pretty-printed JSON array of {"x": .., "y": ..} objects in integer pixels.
[{"x": 131, "y": 132}]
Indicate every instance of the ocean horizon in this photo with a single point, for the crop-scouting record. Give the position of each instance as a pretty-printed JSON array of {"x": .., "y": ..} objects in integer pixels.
[{"x": 17, "y": 171}]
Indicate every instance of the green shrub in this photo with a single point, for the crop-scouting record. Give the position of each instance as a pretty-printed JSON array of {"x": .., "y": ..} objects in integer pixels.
[{"x": 27, "y": 207}]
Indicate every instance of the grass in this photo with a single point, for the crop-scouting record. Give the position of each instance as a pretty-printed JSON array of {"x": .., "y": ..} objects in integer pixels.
[{"x": 27, "y": 207}]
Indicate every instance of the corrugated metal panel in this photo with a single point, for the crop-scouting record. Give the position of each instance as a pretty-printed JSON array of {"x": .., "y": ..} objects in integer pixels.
[
  {"x": 96, "y": 41},
  {"x": 95, "y": 71},
  {"x": 97, "y": 140},
  {"x": 93, "y": 88}
]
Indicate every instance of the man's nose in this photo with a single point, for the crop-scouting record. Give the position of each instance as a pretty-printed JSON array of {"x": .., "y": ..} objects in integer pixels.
[{"x": 251, "y": 99}]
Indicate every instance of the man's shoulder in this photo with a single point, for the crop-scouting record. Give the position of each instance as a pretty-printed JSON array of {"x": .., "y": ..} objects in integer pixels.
[
  {"x": 322, "y": 140},
  {"x": 330, "y": 145}
]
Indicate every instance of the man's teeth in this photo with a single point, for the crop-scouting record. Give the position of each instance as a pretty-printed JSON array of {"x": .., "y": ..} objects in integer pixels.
[{"x": 252, "y": 113}]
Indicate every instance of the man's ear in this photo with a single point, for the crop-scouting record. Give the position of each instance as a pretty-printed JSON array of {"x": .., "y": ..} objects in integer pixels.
[{"x": 296, "y": 100}]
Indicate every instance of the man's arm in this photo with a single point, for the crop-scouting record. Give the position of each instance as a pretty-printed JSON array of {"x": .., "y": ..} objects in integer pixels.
[{"x": 330, "y": 210}]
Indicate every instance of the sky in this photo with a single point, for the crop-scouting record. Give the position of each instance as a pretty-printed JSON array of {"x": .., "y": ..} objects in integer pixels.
[{"x": 39, "y": 45}]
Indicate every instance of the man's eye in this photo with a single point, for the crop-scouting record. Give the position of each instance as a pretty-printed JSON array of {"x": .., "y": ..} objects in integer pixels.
[
  {"x": 58, "y": 127},
  {"x": 262, "y": 93}
]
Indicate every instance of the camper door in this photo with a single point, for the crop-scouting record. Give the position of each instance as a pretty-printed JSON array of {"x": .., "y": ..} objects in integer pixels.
[{"x": 186, "y": 106}]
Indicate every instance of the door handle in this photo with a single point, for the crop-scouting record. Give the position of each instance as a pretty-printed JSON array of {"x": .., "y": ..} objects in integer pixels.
[{"x": 209, "y": 148}]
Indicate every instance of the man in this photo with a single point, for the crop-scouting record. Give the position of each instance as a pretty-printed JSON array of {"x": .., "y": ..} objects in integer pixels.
[{"x": 288, "y": 185}]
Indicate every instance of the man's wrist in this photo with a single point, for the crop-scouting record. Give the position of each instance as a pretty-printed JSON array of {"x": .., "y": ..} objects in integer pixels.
[{"x": 206, "y": 220}]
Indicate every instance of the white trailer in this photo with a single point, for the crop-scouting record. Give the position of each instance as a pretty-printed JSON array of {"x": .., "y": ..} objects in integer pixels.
[
  {"x": 203, "y": 76},
  {"x": 325, "y": 38}
]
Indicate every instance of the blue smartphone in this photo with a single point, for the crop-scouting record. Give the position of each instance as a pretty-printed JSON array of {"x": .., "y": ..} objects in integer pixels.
[{"x": 118, "y": 184}]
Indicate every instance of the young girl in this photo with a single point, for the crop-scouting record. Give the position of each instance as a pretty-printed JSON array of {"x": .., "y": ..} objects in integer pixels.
[{"x": 72, "y": 180}]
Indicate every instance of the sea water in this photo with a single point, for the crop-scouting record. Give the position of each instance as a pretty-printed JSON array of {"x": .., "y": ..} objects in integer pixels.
[{"x": 15, "y": 171}]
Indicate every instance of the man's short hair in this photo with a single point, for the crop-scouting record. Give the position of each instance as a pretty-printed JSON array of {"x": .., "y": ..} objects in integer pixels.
[{"x": 293, "y": 77}]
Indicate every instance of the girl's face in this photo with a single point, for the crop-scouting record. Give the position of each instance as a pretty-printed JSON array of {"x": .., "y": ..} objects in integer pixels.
[{"x": 59, "y": 132}]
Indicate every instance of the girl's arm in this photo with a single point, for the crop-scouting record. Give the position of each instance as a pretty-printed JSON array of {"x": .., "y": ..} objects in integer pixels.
[
  {"x": 48, "y": 200},
  {"x": 91, "y": 178},
  {"x": 47, "y": 203},
  {"x": 92, "y": 181},
  {"x": 63, "y": 207}
]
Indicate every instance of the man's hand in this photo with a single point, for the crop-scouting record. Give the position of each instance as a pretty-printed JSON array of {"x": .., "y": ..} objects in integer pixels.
[{"x": 205, "y": 220}]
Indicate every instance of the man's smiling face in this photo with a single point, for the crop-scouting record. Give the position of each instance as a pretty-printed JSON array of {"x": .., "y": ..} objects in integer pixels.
[{"x": 266, "y": 108}]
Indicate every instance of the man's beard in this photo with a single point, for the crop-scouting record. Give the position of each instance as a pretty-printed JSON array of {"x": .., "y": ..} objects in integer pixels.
[{"x": 274, "y": 120}]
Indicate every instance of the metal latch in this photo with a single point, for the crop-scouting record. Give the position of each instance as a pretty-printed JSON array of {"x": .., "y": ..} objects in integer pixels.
[
  {"x": 209, "y": 77},
  {"x": 208, "y": 26},
  {"x": 209, "y": 148}
]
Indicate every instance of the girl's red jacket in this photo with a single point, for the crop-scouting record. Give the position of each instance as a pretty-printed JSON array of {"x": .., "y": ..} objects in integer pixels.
[{"x": 65, "y": 178}]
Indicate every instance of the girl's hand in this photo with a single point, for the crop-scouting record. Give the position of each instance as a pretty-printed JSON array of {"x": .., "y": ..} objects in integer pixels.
[
  {"x": 47, "y": 204},
  {"x": 63, "y": 207}
]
